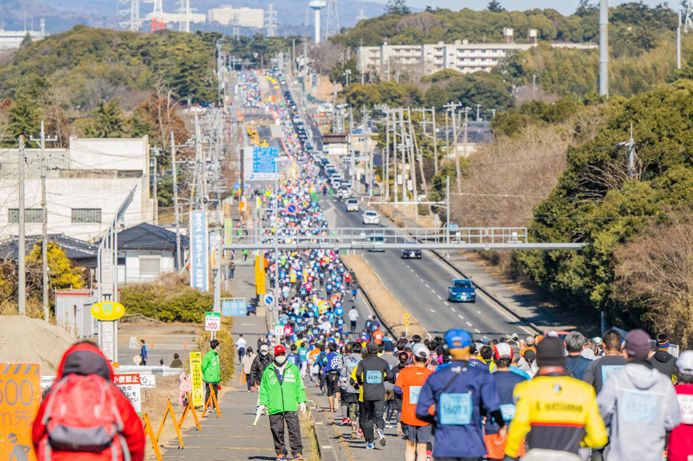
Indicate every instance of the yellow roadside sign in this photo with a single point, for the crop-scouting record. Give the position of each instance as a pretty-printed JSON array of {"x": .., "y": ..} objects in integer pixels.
[
  {"x": 21, "y": 398},
  {"x": 107, "y": 311},
  {"x": 198, "y": 395}
]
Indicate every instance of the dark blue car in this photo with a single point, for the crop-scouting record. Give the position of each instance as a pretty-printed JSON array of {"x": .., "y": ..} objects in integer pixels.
[{"x": 462, "y": 290}]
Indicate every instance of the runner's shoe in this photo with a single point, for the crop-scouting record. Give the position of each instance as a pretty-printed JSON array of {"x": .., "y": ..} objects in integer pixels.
[
  {"x": 298, "y": 456},
  {"x": 345, "y": 422},
  {"x": 381, "y": 437},
  {"x": 370, "y": 446},
  {"x": 281, "y": 457}
]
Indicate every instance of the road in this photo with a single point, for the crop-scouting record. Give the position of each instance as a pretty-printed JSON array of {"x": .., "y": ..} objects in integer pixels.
[{"x": 422, "y": 285}]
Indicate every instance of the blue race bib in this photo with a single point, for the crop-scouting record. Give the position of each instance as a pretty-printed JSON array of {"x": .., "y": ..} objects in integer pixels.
[
  {"x": 508, "y": 411},
  {"x": 608, "y": 369},
  {"x": 414, "y": 392},
  {"x": 374, "y": 377},
  {"x": 456, "y": 409},
  {"x": 638, "y": 407}
]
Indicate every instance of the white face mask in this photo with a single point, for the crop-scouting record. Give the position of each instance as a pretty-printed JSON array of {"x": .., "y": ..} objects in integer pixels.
[
  {"x": 263, "y": 352},
  {"x": 280, "y": 359}
]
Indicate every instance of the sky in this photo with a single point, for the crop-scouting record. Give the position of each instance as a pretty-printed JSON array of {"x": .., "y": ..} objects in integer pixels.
[{"x": 565, "y": 7}]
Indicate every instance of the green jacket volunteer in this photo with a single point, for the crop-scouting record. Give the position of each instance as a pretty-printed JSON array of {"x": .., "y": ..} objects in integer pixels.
[
  {"x": 210, "y": 370},
  {"x": 282, "y": 394}
]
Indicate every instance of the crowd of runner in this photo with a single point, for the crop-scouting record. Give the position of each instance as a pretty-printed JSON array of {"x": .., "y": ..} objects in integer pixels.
[{"x": 552, "y": 397}]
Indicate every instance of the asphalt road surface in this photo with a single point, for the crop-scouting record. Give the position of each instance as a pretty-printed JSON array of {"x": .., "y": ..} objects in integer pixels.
[{"x": 421, "y": 285}]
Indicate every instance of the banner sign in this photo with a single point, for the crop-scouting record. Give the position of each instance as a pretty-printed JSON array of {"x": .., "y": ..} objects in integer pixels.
[
  {"x": 198, "y": 395},
  {"x": 130, "y": 385},
  {"x": 259, "y": 163},
  {"x": 230, "y": 308},
  {"x": 199, "y": 250}
]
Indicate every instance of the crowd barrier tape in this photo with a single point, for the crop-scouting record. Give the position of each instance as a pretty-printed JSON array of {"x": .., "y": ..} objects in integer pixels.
[{"x": 212, "y": 397}]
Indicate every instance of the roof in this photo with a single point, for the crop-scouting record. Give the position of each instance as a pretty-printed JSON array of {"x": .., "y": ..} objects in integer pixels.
[
  {"x": 149, "y": 237},
  {"x": 74, "y": 249}
]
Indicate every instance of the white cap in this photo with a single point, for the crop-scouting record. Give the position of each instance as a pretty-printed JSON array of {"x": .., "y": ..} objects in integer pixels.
[
  {"x": 685, "y": 362},
  {"x": 420, "y": 351}
]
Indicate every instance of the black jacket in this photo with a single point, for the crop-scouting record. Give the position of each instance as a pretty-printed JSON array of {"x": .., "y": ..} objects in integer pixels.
[
  {"x": 664, "y": 362},
  {"x": 258, "y": 368},
  {"x": 371, "y": 373}
]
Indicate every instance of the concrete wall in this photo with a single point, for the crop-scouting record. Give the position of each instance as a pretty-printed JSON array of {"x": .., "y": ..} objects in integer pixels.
[{"x": 131, "y": 271}]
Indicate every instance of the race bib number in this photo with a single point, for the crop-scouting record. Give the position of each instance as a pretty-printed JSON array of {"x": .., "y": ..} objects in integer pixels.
[
  {"x": 686, "y": 404},
  {"x": 508, "y": 411},
  {"x": 374, "y": 377},
  {"x": 638, "y": 407},
  {"x": 414, "y": 392},
  {"x": 608, "y": 369},
  {"x": 455, "y": 409}
]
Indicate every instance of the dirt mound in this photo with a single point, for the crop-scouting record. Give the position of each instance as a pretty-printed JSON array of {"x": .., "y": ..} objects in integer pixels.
[{"x": 32, "y": 340}]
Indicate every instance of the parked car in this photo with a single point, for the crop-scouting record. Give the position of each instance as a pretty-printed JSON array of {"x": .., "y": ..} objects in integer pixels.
[{"x": 462, "y": 290}]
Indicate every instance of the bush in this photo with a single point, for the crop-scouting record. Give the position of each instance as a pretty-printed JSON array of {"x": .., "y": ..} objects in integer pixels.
[
  {"x": 169, "y": 301},
  {"x": 227, "y": 351}
]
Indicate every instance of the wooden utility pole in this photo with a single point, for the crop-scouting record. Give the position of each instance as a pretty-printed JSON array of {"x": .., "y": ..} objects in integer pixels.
[{"x": 174, "y": 169}]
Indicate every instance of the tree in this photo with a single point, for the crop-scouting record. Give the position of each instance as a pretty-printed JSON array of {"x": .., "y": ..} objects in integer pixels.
[
  {"x": 26, "y": 40},
  {"x": 495, "y": 6},
  {"x": 397, "y": 8},
  {"x": 24, "y": 117},
  {"x": 107, "y": 121},
  {"x": 61, "y": 273}
]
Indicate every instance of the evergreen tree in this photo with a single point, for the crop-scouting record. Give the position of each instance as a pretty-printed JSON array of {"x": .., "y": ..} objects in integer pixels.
[
  {"x": 397, "y": 8},
  {"x": 495, "y": 6}
]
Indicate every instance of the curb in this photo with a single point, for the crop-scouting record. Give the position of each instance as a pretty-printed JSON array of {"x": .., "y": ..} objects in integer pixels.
[{"x": 327, "y": 448}]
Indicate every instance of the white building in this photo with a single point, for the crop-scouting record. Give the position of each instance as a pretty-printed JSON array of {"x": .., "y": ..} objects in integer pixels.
[
  {"x": 11, "y": 39},
  {"x": 85, "y": 186},
  {"x": 387, "y": 61},
  {"x": 243, "y": 17}
]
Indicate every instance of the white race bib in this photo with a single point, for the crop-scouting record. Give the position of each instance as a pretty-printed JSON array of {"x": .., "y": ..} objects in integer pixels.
[
  {"x": 508, "y": 411},
  {"x": 686, "y": 404}
]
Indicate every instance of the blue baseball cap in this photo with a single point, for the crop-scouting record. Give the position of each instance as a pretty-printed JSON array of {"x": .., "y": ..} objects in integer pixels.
[{"x": 458, "y": 339}]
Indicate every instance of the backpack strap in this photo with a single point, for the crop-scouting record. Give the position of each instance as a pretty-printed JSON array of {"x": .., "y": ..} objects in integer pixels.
[{"x": 56, "y": 387}]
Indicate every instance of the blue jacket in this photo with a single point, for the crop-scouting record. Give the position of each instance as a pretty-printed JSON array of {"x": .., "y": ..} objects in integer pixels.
[
  {"x": 295, "y": 359},
  {"x": 143, "y": 353},
  {"x": 458, "y": 411}
]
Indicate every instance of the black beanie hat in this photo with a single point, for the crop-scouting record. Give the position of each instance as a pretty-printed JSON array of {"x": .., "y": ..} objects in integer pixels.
[{"x": 550, "y": 353}]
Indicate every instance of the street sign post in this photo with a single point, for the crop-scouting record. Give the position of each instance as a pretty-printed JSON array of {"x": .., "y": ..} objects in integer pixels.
[
  {"x": 269, "y": 299},
  {"x": 292, "y": 208},
  {"x": 212, "y": 321},
  {"x": 196, "y": 373},
  {"x": 129, "y": 383},
  {"x": 108, "y": 313}
]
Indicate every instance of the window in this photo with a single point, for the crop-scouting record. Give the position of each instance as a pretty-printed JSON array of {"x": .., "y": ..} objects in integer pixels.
[
  {"x": 31, "y": 215},
  {"x": 150, "y": 265},
  {"x": 86, "y": 215}
]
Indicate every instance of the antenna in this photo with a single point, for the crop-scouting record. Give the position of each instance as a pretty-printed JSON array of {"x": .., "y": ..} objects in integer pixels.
[
  {"x": 361, "y": 16},
  {"x": 332, "y": 20},
  {"x": 271, "y": 18}
]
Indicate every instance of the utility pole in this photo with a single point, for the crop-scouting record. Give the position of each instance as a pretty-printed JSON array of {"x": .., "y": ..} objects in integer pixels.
[
  {"x": 366, "y": 133},
  {"x": 447, "y": 209},
  {"x": 155, "y": 188},
  {"x": 44, "y": 223},
  {"x": 174, "y": 168},
  {"x": 466, "y": 154},
  {"x": 453, "y": 107},
  {"x": 478, "y": 111},
  {"x": 387, "y": 152},
  {"x": 534, "y": 86},
  {"x": 435, "y": 140},
  {"x": 678, "y": 43},
  {"x": 405, "y": 146},
  {"x": 394, "y": 152},
  {"x": 603, "y": 48},
  {"x": 21, "y": 250}
]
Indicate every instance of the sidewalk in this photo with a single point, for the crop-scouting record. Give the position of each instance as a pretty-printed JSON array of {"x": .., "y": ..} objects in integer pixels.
[{"x": 233, "y": 437}]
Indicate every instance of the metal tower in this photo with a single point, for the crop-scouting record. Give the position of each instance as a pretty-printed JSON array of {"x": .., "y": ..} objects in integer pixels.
[
  {"x": 361, "y": 16},
  {"x": 271, "y": 20},
  {"x": 332, "y": 20},
  {"x": 157, "y": 21},
  {"x": 133, "y": 22},
  {"x": 184, "y": 13},
  {"x": 688, "y": 22}
]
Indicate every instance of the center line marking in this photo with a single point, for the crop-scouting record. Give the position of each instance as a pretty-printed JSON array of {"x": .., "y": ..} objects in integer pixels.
[
  {"x": 477, "y": 330},
  {"x": 460, "y": 316},
  {"x": 427, "y": 285},
  {"x": 446, "y": 303},
  {"x": 469, "y": 324},
  {"x": 432, "y": 310},
  {"x": 439, "y": 297}
]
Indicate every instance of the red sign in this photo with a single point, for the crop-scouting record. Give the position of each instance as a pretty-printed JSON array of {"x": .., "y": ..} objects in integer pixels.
[{"x": 124, "y": 380}]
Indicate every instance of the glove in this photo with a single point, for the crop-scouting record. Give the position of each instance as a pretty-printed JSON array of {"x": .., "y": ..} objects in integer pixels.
[
  {"x": 262, "y": 409},
  {"x": 302, "y": 407}
]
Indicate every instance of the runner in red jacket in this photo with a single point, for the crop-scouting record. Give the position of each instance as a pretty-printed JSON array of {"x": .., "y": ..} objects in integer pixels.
[{"x": 85, "y": 359}]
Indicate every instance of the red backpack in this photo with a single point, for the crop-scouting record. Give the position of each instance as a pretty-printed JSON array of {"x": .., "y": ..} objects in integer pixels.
[{"x": 82, "y": 417}]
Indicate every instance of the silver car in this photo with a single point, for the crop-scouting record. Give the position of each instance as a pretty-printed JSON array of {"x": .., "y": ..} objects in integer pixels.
[{"x": 371, "y": 217}]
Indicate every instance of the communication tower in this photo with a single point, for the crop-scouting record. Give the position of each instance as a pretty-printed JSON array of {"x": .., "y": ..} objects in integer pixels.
[{"x": 332, "y": 21}]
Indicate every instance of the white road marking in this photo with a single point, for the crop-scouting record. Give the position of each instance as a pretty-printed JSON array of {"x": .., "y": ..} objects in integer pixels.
[
  {"x": 427, "y": 285},
  {"x": 460, "y": 316},
  {"x": 446, "y": 303},
  {"x": 477, "y": 330},
  {"x": 452, "y": 309},
  {"x": 439, "y": 297},
  {"x": 478, "y": 312},
  {"x": 469, "y": 324},
  {"x": 432, "y": 310}
]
